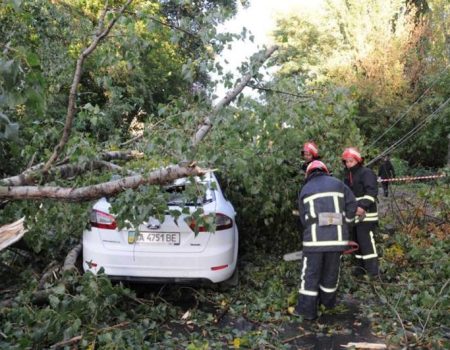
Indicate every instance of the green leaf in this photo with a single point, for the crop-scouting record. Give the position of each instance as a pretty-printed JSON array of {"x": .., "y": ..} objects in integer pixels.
[
  {"x": 60, "y": 289},
  {"x": 54, "y": 301},
  {"x": 16, "y": 4},
  {"x": 33, "y": 59}
]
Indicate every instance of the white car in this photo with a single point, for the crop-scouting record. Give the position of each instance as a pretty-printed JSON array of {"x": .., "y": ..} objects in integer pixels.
[{"x": 167, "y": 251}]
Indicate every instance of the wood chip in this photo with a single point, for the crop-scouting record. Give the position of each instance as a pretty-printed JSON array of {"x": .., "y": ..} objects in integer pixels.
[
  {"x": 186, "y": 315},
  {"x": 11, "y": 233}
]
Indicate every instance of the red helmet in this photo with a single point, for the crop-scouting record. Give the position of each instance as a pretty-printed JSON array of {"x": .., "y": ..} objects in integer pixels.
[
  {"x": 312, "y": 148},
  {"x": 352, "y": 153},
  {"x": 316, "y": 164}
]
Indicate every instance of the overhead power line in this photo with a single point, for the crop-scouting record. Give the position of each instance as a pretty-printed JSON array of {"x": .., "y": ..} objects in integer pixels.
[
  {"x": 278, "y": 91},
  {"x": 410, "y": 107},
  {"x": 411, "y": 133}
]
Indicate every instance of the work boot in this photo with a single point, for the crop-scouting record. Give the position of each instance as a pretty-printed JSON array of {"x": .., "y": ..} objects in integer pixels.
[
  {"x": 305, "y": 315},
  {"x": 371, "y": 266}
]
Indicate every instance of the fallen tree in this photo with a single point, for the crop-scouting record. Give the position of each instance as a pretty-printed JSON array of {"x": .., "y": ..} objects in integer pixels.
[{"x": 13, "y": 190}]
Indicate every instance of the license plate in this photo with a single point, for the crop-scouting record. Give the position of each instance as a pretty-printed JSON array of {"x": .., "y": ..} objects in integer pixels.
[{"x": 170, "y": 238}]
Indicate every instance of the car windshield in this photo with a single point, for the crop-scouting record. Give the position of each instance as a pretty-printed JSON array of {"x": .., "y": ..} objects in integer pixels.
[{"x": 185, "y": 193}]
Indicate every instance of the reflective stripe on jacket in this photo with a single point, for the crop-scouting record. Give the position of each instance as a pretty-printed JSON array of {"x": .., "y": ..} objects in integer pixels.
[
  {"x": 325, "y": 194},
  {"x": 363, "y": 182}
]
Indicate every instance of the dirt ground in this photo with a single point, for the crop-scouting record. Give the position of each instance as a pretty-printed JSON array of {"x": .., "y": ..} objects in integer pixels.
[{"x": 329, "y": 331}]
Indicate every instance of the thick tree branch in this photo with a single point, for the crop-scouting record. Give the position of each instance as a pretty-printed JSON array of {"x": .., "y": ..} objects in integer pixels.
[
  {"x": 23, "y": 178},
  {"x": 35, "y": 174},
  {"x": 50, "y": 272},
  {"x": 121, "y": 155},
  {"x": 230, "y": 96},
  {"x": 71, "y": 108},
  {"x": 111, "y": 188},
  {"x": 64, "y": 172},
  {"x": 134, "y": 139},
  {"x": 71, "y": 258}
]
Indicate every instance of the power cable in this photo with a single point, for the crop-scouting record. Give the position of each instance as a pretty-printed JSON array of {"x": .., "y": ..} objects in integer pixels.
[
  {"x": 411, "y": 133},
  {"x": 410, "y": 107},
  {"x": 278, "y": 91}
]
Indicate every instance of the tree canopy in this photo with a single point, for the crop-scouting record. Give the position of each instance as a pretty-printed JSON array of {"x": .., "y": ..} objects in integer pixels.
[{"x": 387, "y": 54}]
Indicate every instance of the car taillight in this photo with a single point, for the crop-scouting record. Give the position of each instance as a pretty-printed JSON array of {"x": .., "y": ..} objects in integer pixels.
[
  {"x": 100, "y": 219},
  {"x": 192, "y": 225},
  {"x": 222, "y": 221}
]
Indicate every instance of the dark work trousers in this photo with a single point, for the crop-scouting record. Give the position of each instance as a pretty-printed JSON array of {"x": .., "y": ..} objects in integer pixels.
[
  {"x": 366, "y": 256},
  {"x": 318, "y": 282},
  {"x": 385, "y": 186}
]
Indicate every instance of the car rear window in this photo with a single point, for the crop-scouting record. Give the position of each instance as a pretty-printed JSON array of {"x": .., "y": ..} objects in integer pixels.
[{"x": 190, "y": 194}]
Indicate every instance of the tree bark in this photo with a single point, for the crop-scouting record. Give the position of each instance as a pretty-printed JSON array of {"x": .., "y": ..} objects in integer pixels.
[
  {"x": 64, "y": 172},
  {"x": 50, "y": 271},
  {"x": 111, "y": 188},
  {"x": 121, "y": 155},
  {"x": 71, "y": 258}
]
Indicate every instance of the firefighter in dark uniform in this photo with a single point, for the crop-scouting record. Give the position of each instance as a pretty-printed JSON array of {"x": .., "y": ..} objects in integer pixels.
[
  {"x": 309, "y": 152},
  {"x": 326, "y": 207},
  {"x": 363, "y": 183}
]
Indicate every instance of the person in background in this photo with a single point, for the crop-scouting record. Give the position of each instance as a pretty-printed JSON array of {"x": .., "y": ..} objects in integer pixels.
[
  {"x": 326, "y": 207},
  {"x": 309, "y": 152},
  {"x": 363, "y": 182},
  {"x": 386, "y": 171}
]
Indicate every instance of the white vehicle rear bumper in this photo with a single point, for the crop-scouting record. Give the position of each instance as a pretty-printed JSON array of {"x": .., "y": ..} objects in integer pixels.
[{"x": 161, "y": 265}]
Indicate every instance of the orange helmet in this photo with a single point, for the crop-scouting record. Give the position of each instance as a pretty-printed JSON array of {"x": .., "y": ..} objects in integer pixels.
[
  {"x": 352, "y": 153},
  {"x": 312, "y": 148},
  {"x": 316, "y": 164}
]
